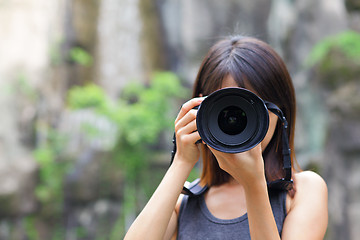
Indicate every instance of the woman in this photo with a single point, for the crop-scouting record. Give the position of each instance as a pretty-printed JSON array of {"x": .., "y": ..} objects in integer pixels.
[{"x": 238, "y": 203}]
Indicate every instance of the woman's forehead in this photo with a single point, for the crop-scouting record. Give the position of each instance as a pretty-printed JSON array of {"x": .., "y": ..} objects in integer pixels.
[{"x": 229, "y": 81}]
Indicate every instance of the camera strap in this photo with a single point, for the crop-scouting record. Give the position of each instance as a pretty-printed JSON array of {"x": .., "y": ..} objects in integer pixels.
[{"x": 286, "y": 182}]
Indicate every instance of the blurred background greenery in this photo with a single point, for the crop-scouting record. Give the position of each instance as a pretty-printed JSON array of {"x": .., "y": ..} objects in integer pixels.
[{"x": 89, "y": 90}]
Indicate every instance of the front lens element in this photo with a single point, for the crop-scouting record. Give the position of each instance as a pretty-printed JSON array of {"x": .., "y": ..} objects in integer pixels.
[{"x": 232, "y": 120}]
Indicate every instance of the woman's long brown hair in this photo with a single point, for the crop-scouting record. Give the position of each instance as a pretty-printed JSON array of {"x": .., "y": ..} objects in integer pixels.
[{"x": 252, "y": 61}]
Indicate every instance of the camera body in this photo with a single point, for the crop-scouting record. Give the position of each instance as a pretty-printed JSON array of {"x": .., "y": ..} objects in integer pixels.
[{"x": 232, "y": 120}]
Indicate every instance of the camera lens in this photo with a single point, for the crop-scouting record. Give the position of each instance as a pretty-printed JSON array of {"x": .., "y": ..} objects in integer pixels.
[{"x": 232, "y": 120}]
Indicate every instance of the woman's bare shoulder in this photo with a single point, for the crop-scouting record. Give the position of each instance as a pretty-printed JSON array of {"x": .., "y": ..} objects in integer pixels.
[
  {"x": 308, "y": 208},
  {"x": 306, "y": 181},
  {"x": 310, "y": 187}
]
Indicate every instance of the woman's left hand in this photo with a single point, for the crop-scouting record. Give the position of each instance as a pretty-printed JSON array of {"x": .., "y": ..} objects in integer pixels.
[{"x": 245, "y": 167}]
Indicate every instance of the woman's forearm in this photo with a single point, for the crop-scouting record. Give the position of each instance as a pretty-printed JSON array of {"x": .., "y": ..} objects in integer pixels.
[
  {"x": 153, "y": 220},
  {"x": 261, "y": 219}
]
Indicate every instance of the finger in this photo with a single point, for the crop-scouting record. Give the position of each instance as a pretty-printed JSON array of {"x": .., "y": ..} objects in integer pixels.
[
  {"x": 186, "y": 107},
  {"x": 191, "y": 138},
  {"x": 188, "y": 128},
  {"x": 186, "y": 119}
]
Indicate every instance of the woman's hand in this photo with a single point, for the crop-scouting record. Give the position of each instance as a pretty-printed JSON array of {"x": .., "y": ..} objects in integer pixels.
[
  {"x": 186, "y": 132},
  {"x": 246, "y": 167}
]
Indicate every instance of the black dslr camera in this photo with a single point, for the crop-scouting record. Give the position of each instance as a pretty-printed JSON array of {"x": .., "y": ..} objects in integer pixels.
[{"x": 234, "y": 120}]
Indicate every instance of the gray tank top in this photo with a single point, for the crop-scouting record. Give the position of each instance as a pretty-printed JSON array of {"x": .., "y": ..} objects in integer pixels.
[{"x": 196, "y": 222}]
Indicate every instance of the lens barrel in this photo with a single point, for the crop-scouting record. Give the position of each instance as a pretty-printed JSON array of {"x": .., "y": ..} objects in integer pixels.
[{"x": 232, "y": 120}]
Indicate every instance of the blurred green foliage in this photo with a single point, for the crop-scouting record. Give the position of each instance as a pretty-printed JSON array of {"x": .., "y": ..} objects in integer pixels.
[
  {"x": 347, "y": 42},
  {"x": 49, "y": 191},
  {"x": 81, "y": 56},
  {"x": 50, "y": 188},
  {"x": 336, "y": 59},
  {"x": 141, "y": 114},
  {"x": 90, "y": 96}
]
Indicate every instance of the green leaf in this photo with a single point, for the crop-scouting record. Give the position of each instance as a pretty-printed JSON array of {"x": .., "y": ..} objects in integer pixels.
[
  {"x": 90, "y": 96},
  {"x": 347, "y": 42},
  {"x": 80, "y": 56}
]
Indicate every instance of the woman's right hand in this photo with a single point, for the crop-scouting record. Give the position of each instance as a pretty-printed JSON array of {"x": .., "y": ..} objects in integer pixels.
[{"x": 186, "y": 132}]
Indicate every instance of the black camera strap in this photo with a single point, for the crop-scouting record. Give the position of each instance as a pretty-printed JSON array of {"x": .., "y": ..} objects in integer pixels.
[
  {"x": 193, "y": 188},
  {"x": 286, "y": 183}
]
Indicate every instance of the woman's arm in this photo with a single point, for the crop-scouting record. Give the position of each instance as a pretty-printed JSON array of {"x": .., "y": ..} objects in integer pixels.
[
  {"x": 307, "y": 217},
  {"x": 154, "y": 219},
  {"x": 158, "y": 217},
  {"x": 308, "y": 214},
  {"x": 262, "y": 223}
]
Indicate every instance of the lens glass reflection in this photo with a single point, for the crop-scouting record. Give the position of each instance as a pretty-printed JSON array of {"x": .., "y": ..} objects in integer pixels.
[{"x": 232, "y": 120}]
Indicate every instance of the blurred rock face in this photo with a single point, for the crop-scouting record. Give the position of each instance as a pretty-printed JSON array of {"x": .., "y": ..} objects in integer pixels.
[
  {"x": 340, "y": 86},
  {"x": 16, "y": 191}
]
